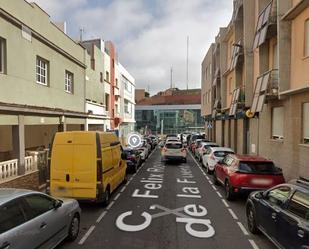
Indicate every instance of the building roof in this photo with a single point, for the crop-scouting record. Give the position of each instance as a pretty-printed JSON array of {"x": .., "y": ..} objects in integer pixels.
[{"x": 174, "y": 96}]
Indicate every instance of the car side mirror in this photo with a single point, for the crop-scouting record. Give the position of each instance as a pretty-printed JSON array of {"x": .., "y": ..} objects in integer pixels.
[
  {"x": 57, "y": 204},
  {"x": 124, "y": 156}
]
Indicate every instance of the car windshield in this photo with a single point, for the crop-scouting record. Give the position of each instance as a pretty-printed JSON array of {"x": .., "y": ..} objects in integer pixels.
[
  {"x": 173, "y": 146},
  {"x": 222, "y": 153},
  {"x": 258, "y": 167}
]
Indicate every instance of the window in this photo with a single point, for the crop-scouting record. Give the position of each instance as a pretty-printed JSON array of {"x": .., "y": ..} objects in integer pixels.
[
  {"x": 2, "y": 55},
  {"x": 42, "y": 71},
  {"x": 38, "y": 204},
  {"x": 107, "y": 76},
  {"x": 234, "y": 102},
  {"x": 260, "y": 90},
  {"x": 277, "y": 123},
  {"x": 307, "y": 38},
  {"x": 306, "y": 123},
  {"x": 101, "y": 77},
  {"x": 278, "y": 196},
  {"x": 68, "y": 84},
  {"x": 11, "y": 216},
  {"x": 126, "y": 106},
  {"x": 107, "y": 101},
  {"x": 262, "y": 27},
  {"x": 299, "y": 205}
]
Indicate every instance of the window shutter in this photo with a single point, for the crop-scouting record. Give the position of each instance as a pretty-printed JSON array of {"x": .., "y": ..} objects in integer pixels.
[{"x": 277, "y": 122}]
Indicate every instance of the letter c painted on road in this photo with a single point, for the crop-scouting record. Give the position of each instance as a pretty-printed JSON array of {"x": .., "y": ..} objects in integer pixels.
[{"x": 133, "y": 228}]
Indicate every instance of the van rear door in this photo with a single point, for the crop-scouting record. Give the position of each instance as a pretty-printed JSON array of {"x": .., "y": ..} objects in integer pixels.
[
  {"x": 84, "y": 166},
  {"x": 61, "y": 165}
]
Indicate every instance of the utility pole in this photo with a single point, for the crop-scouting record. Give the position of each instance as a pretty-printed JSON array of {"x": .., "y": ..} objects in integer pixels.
[{"x": 187, "y": 62}]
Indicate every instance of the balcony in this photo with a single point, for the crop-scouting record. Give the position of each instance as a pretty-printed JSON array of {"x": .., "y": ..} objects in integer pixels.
[{"x": 216, "y": 77}]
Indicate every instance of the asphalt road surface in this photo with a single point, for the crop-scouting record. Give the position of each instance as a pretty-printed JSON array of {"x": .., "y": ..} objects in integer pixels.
[{"x": 167, "y": 206}]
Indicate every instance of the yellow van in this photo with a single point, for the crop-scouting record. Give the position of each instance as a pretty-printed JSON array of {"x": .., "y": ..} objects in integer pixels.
[{"x": 86, "y": 165}]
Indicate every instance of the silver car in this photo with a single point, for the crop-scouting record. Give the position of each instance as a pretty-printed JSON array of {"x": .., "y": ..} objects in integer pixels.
[{"x": 30, "y": 219}]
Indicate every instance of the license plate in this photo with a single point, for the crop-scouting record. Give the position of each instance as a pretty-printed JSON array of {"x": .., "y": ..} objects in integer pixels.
[{"x": 261, "y": 181}]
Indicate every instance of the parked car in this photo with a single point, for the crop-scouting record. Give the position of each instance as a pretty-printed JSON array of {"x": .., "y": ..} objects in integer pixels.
[
  {"x": 146, "y": 144},
  {"x": 201, "y": 149},
  {"x": 246, "y": 173},
  {"x": 282, "y": 214},
  {"x": 154, "y": 139},
  {"x": 30, "y": 219},
  {"x": 172, "y": 139},
  {"x": 213, "y": 155},
  {"x": 196, "y": 144},
  {"x": 174, "y": 151},
  {"x": 79, "y": 162},
  {"x": 134, "y": 159},
  {"x": 193, "y": 137},
  {"x": 143, "y": 153}
]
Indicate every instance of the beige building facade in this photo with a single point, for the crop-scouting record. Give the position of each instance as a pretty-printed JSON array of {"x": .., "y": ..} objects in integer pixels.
[{"x": 271, "y": 117}]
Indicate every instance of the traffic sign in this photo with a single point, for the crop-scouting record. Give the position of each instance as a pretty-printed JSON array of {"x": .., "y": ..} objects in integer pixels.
[{"x": 134, "y": 140}]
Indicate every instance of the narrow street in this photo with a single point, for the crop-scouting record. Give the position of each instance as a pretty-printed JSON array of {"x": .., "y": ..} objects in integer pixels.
[{"x": 180, "y": 209}]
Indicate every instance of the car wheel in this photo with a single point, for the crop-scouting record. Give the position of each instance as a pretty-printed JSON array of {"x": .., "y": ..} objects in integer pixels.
[
  {"x": 251, "y": 220},
  {"x": 107, "y": 196},
  {"x": 216, "y": 182},
  {"x": 74, "y": 227},
  {"x": 228, "y": 191}
]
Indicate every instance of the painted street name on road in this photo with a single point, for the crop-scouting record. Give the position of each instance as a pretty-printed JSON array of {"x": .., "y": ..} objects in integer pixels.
[{"x": 192, "y": 213}]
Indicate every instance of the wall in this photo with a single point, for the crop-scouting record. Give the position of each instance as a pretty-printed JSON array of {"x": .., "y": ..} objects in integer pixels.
[{"x": 28, "y": 181}]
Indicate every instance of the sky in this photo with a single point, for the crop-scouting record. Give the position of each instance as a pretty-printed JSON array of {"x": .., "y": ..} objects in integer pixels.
[{"x": 150, "y": 35}]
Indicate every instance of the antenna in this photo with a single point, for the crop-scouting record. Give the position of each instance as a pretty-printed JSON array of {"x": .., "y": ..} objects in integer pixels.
[
  {"x": 171, "y": 77},
  {"x": 81, "y": 32},
  {"x": 187, "y": 62}
]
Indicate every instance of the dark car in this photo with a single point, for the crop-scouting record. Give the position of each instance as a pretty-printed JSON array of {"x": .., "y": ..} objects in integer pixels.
[
  {"x": 194, "y": 137},
  {"x": 246, "y": 173},
  {"x": 282, "y": 214},
  {"x": 134, "y": 159}
]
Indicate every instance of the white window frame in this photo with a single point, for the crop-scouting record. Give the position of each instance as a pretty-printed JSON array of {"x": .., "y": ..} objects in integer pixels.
[
  {"x": 2, "y": 55},
  {"x": 126, "y": 106},
  {"x": 277, "y": 126},
  {"x": 41, "y": 71},
  {"x": 305, "y": 118},
  {"x": 68, "y": 82}
]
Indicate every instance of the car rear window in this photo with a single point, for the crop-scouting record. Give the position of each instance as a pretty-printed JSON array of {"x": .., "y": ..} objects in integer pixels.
[
  {"x": 258, "y": 168},
  {"x": 222, "y": 153},
  {"x": 173, "y": 146}
]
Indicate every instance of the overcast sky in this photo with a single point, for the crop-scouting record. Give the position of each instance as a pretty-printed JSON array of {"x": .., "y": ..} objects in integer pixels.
[{"x": 150, "y": 35}]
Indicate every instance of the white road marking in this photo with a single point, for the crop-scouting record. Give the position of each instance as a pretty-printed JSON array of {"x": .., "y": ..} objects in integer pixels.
[
  {"x": 110, "y": 205},
  {"x": 225, "y": 203},
  {"x": 218, "y": 193},
  {"x": 123, "y": 188},
  {"x": 233, "y": 214},
  {"x": 101, "y": 216},
  {"x": 254, "y": 245},
  {"x": 116, "y": 197},
  {"x": 86, "y": 235},
  {"x": 207, "y": 178},
  {"x": 243, "y": 229},
  {"x": 214, "y": 187},
  {"x": 210, "y": 182}
]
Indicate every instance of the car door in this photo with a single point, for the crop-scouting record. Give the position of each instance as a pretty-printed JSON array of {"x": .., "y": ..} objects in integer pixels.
[
  {"x": 15, "y": 231},
  {"x": 269, "y": 210},
  {"x": 294, "y": 221},
  {"x": 50, "y": 223}
]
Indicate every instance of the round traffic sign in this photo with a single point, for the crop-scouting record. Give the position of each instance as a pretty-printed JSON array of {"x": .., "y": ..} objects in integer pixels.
[{"x": 134, "y": 139}]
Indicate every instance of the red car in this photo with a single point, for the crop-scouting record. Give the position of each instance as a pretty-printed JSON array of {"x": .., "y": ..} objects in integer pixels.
[{"x": 244, "y": 173}]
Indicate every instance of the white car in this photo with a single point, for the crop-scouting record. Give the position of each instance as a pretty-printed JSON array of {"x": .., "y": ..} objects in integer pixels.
[
  {"x": 213, "y": 155},
  {"x": 146, "y": 145},
  {"x": 173, "y": 151},
  {"x": 202, "y": 149},
  {"x": 144, "y": 153}
]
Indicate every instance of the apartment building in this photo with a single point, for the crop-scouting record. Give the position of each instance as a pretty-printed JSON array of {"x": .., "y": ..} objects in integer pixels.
[
  {"x": 127, "y": 103},
  {"x": 42, "y": 74},
  {"x": 264, "y": 93}
]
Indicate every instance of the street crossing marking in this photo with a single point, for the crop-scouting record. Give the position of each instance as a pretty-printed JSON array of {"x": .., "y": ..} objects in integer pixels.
[
  {"x": 101, "y": 216},
  {"x": 243, "y": 229},
  {"x": 86, "y": 235},
  {"x": 233, "y": 214},
  {"x": 254, "y": 245}
]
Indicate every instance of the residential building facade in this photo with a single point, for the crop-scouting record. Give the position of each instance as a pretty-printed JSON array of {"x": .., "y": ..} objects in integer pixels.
[{"x": 264, "y": 97}]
